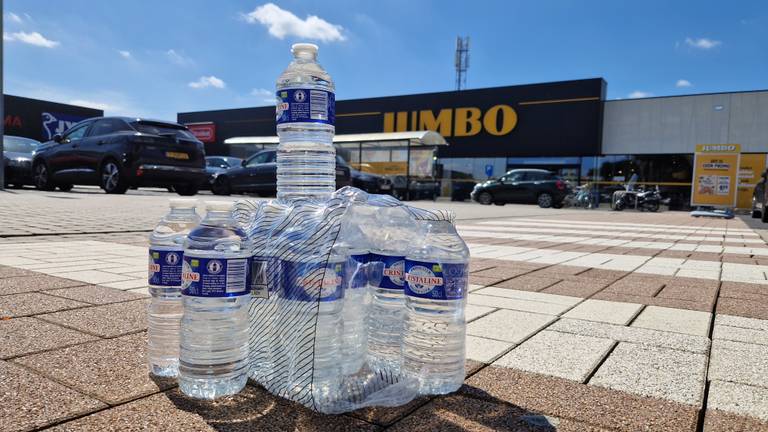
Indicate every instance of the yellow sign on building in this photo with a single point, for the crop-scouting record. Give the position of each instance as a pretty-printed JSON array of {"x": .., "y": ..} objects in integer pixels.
[
  {"x": 715, "y": 175},
  {"x": 751, "y": 167}
]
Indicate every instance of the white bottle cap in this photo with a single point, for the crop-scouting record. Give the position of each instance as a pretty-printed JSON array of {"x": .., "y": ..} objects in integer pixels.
[
  {"x": 308, "y": 49},
  {"x": 183, "y": 203},
  {"x": 218, "y": 205}
]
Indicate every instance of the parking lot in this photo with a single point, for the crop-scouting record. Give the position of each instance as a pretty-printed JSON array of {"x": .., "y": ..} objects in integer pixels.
[{"x": 577, "y": 320}]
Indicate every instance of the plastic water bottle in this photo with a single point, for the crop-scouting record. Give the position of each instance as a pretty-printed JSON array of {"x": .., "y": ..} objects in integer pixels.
[
  {"x": 166, "y": 250},
  {"x": 314, "y": 287},
  {"x": 436, "y": 270},
  {"x": 354, "y": 343},
  {"x": 354, "y": 239},
  {"x": 213, "y": 360},
  {"x": 266, "y": 287},
  {"x": 387, "y": 262},
  {"x": 306, "y": 111}
]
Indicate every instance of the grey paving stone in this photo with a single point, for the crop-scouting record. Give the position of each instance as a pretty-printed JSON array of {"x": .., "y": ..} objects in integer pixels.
[
  {"x": 739, "y": 362},
  {"x": 537, "y": 305},
  {"x": 31, "y": 401},
  {"x": 743, "y": 322},
  {"x": 95, "y": 294},
  {"x": 674, "y": 320},
  {"x": 679, "y": 341},
  {"x": 604, "y": 311},
  {"x": 113, "y": 370},
  {"x": 740, "y": 334},
  {"x": 105, "y": 321},
  {"x": 17, "y": 305},
  {"x": 563, "y": 355},
  {"x": 656, "y": 372},
  {"x": 484, "y": 350},
  {"x": 20, "y": 336},
  {"x": 22, "y": 284},
  {"x": 507, "y": 325},
  {"x": 471, "y": 312},
  {"x": 6, "y": 272},
  {"x": 738, "y": 399}
]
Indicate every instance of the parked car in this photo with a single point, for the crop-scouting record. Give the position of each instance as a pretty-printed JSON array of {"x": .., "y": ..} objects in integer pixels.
[
  {"x": 215, "y": 165},
  {"x": 758, "y": 199},
  {"x": 120, "y": 152},
  {"x": 17, "y": 157},
  {"x": 370, "y": 182},
  {"x": 523, "y": 186},
  {"x": 406, "y": 189},
  {"x": 258, "y": 174}
]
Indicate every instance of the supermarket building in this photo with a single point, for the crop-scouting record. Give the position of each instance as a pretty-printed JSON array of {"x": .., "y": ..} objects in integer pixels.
[{"x": 567, "y": 127}]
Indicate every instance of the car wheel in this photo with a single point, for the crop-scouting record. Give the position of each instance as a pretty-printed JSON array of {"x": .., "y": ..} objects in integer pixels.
[
  {"x": 42, "y": 177},
  {"x": 65, "y": 187},
  {"x": 220, "y": 186},
  {"x": 186, "y": 190},
  {"x": 544, "y": 200},
  {"x": 485, "y": 198},
  {"x": 112, "y": 179},
  {"x": 499, "y": 203}
]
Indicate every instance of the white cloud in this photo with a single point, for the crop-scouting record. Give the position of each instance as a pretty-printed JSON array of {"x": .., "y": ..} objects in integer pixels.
[
  {"x": 282, "y": 23},
  {"x": 639, "y": 94},
  {"x": 208, "y": 81},
  {"x": 178, "y": 58},
  {"x": 33, "y": 38},
  {"x": 263, "y": 94},
  {"x": 702, "y": 43},
  {"x": 124, "y": 54},
  {"x": 683, "y": 83},
  {"x": 92, "y": 104},
  {"x": 13, "y": 17}
]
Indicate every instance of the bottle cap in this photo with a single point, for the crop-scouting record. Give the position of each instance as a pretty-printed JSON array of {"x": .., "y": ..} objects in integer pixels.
[
  {"x": 304, "y": 50},
  {"x": 218, "y": 205},
  {"x": 183, "y": 203}
]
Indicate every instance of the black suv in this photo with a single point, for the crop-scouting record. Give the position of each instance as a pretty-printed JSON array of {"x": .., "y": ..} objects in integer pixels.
[
  {"x": 258, "y": 174},
  {"x": 523, "y": 186},
  {"x": 119, "y": 152}
]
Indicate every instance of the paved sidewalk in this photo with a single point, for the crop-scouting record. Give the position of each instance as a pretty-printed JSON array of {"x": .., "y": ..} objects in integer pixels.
[{"x": 576, "y": 321}]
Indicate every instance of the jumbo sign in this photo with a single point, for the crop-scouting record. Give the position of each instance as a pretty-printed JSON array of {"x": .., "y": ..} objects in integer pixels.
[{"x": 498, "y": 120}]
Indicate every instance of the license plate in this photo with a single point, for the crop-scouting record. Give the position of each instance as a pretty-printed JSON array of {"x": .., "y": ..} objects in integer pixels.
[
  {"x": 385, "y": 187},
  {"x": 177, "y": 155}
]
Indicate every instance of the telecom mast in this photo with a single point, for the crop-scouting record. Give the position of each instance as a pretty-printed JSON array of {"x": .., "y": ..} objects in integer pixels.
[{"x": 462, "y": 61}]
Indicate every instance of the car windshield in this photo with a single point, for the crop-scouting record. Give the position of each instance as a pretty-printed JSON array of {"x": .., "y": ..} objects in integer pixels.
[
  {"x": 161, "y": 129},
  {"x": 19, "y": 145}
]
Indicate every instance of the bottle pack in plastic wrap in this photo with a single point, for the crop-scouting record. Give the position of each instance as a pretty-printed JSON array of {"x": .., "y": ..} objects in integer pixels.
[{"x": 333, "y": 324}]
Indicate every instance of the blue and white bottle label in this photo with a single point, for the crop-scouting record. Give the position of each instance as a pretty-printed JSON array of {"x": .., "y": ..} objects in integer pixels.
[
  {"x": 357, "y": 271},
  {"x": 389, "y": 273},
  {"x": 436, "y": 281},
  {"x": 305, "y": 106},
  {"x": 311, "y": 281},
  {"x": 165, "y": 267},
  {"x": 215, "y": 277}
]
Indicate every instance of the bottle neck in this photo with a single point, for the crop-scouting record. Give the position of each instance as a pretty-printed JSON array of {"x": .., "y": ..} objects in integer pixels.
[
  {"x": 183, "y": 212},
  {"x": 217, "y": 217}
]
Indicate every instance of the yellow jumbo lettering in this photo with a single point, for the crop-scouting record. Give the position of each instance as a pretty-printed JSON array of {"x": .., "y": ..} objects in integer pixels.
[
  {"x": 467, "y": 122},
  {"x": 441, "y": 124},
  {"x": 508, "y": 120}
]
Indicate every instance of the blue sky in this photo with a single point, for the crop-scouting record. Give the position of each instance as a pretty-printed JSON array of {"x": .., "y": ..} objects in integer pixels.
[{"x": 157, "y": 58}]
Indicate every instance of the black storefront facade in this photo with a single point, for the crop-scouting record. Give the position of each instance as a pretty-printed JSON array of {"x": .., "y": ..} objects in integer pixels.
[
  {"x": 489, "y": 131},
  {"x": 39, "y": 119}
]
